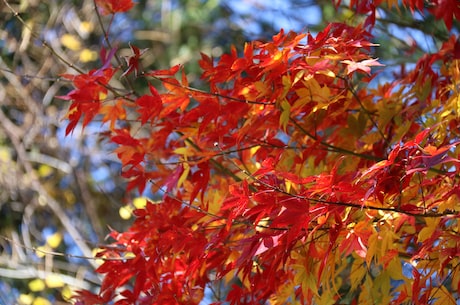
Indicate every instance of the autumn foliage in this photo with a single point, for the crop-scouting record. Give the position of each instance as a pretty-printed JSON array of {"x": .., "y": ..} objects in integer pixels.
[{"x": 295, "y": 178}]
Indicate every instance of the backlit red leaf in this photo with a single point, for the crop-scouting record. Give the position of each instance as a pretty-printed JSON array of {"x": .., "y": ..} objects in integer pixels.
[{"x": 107, "y": 7}]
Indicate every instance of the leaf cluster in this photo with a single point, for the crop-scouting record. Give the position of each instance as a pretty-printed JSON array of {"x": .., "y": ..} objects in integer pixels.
[{"x": 297, "y": 178}]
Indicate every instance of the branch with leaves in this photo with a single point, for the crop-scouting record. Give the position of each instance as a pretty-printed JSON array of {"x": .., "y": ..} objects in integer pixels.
[
  {"x": 364, "y": 185},
  {"x": 298, "y": 176}
]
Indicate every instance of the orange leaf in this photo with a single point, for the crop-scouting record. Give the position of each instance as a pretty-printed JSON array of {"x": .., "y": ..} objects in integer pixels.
[{"x": 113, "y": 112}]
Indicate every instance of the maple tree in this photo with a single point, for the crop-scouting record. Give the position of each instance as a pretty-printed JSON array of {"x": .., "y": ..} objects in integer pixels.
[{"x": 297, "y": 177}]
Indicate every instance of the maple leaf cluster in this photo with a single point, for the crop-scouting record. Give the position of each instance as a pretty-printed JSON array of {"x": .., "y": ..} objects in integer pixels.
[
  {"x": 446, "y": 10},
  {"x": 290, "y": 181}
]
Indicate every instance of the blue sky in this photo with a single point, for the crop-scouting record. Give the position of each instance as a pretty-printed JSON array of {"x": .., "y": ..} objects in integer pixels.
[{"x": 279, "y": 13}]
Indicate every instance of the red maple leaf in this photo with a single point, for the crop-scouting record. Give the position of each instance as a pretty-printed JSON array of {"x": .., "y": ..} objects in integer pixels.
[
  {"x": 167, "y": 72},
  {"x": 133, "y": 61},
  {"x": 150, "y": 105},
  {"x": 446, "y": 10},
  {"x": 86, "y": 96},
  {"x": 107, "y": 7}
]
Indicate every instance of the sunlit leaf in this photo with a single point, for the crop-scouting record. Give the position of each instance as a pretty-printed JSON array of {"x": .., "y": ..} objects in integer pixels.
[
  {"x": 363, "y": 66},
  {"x": 139, "y": 202},
  {"x": 54, "y": 281},
  {"x": 71, "y": 42},
  {"x": 37, "y": 285},
  {"x": 25, "y": 299},
  {"x": 107, "y": 7},
  {"x": 54, "y": 240},
  {"x": 41, "y": 301},
  {"x": 86, "y": 55},
  {"x": 125, "y": 212}
]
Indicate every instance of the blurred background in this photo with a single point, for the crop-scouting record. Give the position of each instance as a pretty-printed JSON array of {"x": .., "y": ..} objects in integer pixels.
[{"x": 59, "y": 195}]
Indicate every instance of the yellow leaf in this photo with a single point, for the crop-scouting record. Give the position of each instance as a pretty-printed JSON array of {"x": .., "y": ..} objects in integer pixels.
[
  {"x": 287, "y": 160},
  {"x": 450, "y": 204},
  {"x": 5, "y": 154},
  {"x": 402, "y": 130},
  {"x": 305, "y": 279},
  {"x": 125, "y": 212},
  {"x": 387, "y": 111},
  {"x": 245, "y": 92},
  {"x": 285, "y": 114},
  {"x": 455, "y": 277},
  {"x": 140, "y": 202},
  {"x": 373, "y": 244},
  {"x": 94, "y": 253},
  {"x": 427, "y": 232},
  {"x": 327, "y": 297},
  {"x": 37, "y": 285},
  {"x": 70, "y": 42},
  {"x": 395, "y": 269},
  {"x": 457, "y": 98},
  {"x": 313, "y": 92},
  {"x": 41, "y": 301},
  {"x": 387, "y": 240},
  {"x": 44, "y": 170},
  {"x": 352, "y": 123},
  {"x": 86, "y": 55},
  {"x": 261, "y": 87},
  {"x": 86, "y": 27},
  {"x": 182, "y": 151},
  {"x": 358, "y": 272},
  {"x": 54, "y": 281},
  {"x": 313, "y": 58},
  {"x": 69, "y": 196},
  {"x": 286, "y": 80},
  {"x": 129, "y": 255},
  {"x": 54, "y": 240},
  {"x": 67, "y": 293},
  {"x": 284, "y": 294},
  {"x": 371, "y": 137},
  {"x": 298, "y": 76},
  {"x": 441, "y": 296},
  {"x": 102, "y": 96},
  {"x": 253, "y": 150},
  {"x": 184, "y": 175},
  {"x": 25, "y": 299},
  {"x": 327, "y": 73},
  {"x": 424, "y": 90},
  {"x": 40, "y": 252},
  {"x": 288, "y": 185},
  {"x": 366, "y": 297},
  {"x": 381, "y": 289}
]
